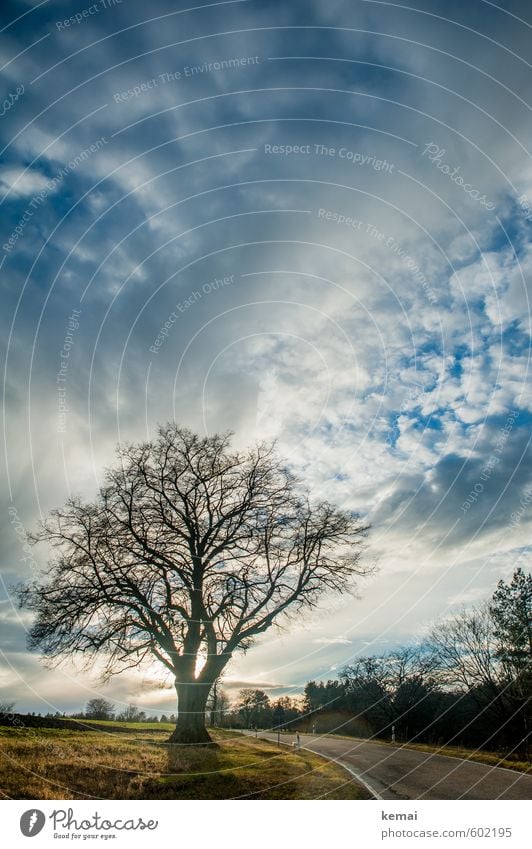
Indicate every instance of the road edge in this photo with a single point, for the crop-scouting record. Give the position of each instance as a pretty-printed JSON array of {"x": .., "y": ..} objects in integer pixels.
[{"x": 375, "y": 793}]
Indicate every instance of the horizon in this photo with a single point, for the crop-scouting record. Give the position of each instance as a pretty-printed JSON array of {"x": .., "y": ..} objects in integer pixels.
[{"x": 282, "y": 221}]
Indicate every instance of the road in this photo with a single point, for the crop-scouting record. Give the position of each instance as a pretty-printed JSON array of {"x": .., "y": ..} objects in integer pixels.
[{"x": 398, "y": 773}]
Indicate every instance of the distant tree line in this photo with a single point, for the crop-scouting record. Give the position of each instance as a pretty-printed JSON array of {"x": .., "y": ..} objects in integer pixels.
[
  {"x": 468, "y": 683},
  {"x": 103, "y": 710},
  {"x": 254, "y": 709}
]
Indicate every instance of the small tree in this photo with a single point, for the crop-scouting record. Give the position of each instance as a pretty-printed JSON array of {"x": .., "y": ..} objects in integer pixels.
[
  {"x": 253, "y": 706},
  {"x": 467, "y": 652},
  {"x": 131, "y": 714},
  {"x": 217, "y": 704},
  {"x": 511, "y": 609},
  {"x": 278, "y": 714},
  {"x": 189, "y": 552},
  {"x": 464, "y": 651},
  {"x": 223, "y": 708},
  {"x": 284, "y": 711},
  {"x": 99, "y": 709}
]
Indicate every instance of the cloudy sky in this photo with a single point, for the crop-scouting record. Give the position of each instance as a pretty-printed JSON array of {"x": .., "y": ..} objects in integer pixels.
[{"x": 297, "y": 220}]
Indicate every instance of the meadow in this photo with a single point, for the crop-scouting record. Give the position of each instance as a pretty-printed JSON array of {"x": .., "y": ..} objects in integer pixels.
[{"x": 135, "y": 762}]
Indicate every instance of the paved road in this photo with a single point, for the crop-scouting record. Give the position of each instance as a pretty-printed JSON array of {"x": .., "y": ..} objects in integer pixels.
[{"x": 397, "y": 773}]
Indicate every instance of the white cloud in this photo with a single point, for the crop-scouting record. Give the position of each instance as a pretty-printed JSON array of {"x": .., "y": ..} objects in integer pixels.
[
  {"x": 17, "y": 182},
  {"x": 326, "y": 341}
]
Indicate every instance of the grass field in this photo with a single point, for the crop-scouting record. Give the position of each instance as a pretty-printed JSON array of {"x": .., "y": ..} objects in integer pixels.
[
  {"x": 501, "y": 759},
  {"x": 490, "y": 758},
  {"x": 136, "y": 726},
  {"x": 50, "y": 763}
]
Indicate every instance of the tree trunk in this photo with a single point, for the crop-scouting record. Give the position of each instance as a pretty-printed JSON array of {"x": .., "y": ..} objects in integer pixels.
[
  {"x": 214, "y": 703},
  {"x": 191, "y": 706}
]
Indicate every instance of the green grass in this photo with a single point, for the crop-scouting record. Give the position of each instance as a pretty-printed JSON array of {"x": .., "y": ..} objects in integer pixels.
[
  {"x": 144, "y": 726},
  {"x": 50, "y": 763}
]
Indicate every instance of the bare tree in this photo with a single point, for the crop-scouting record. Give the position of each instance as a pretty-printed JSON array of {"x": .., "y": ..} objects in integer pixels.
[
  {"x": 253, "y": 706},
  {"x": 212, "y": 701},
  {"x": 132, "y": 713},
  {"x": 470, "y": 653},
  {"x": 187, "y": 554},
  {"x": 466, "y": 651},
  {"x": 218, "y": 704},
  {"x": 391, "y": 688},
  {"x": 99, "y": 709}
]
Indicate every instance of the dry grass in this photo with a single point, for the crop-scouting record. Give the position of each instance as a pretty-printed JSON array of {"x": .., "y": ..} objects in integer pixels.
[
  {"x": 57, "y": 764},
  {"x": 502, "y": 759},
  {"x": 489, "y": 758},
  {"x": 115, "y": 723}
]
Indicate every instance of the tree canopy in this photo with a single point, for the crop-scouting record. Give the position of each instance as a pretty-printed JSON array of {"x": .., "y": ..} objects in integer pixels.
[
  {"x": 99, "y": 709},
  {"x": 189, "y": 552},
  {"x": 511, "y": 609}
]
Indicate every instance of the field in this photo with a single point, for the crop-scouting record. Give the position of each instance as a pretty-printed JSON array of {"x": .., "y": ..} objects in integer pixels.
[
  {"x": 52, "y": 763},
  {"x": 502, "y": 759},
  {"x": 479, "y": 755}
]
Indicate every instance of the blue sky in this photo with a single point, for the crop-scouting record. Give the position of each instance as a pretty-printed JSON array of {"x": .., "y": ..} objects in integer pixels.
[{"x": 303, "y": 221}]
